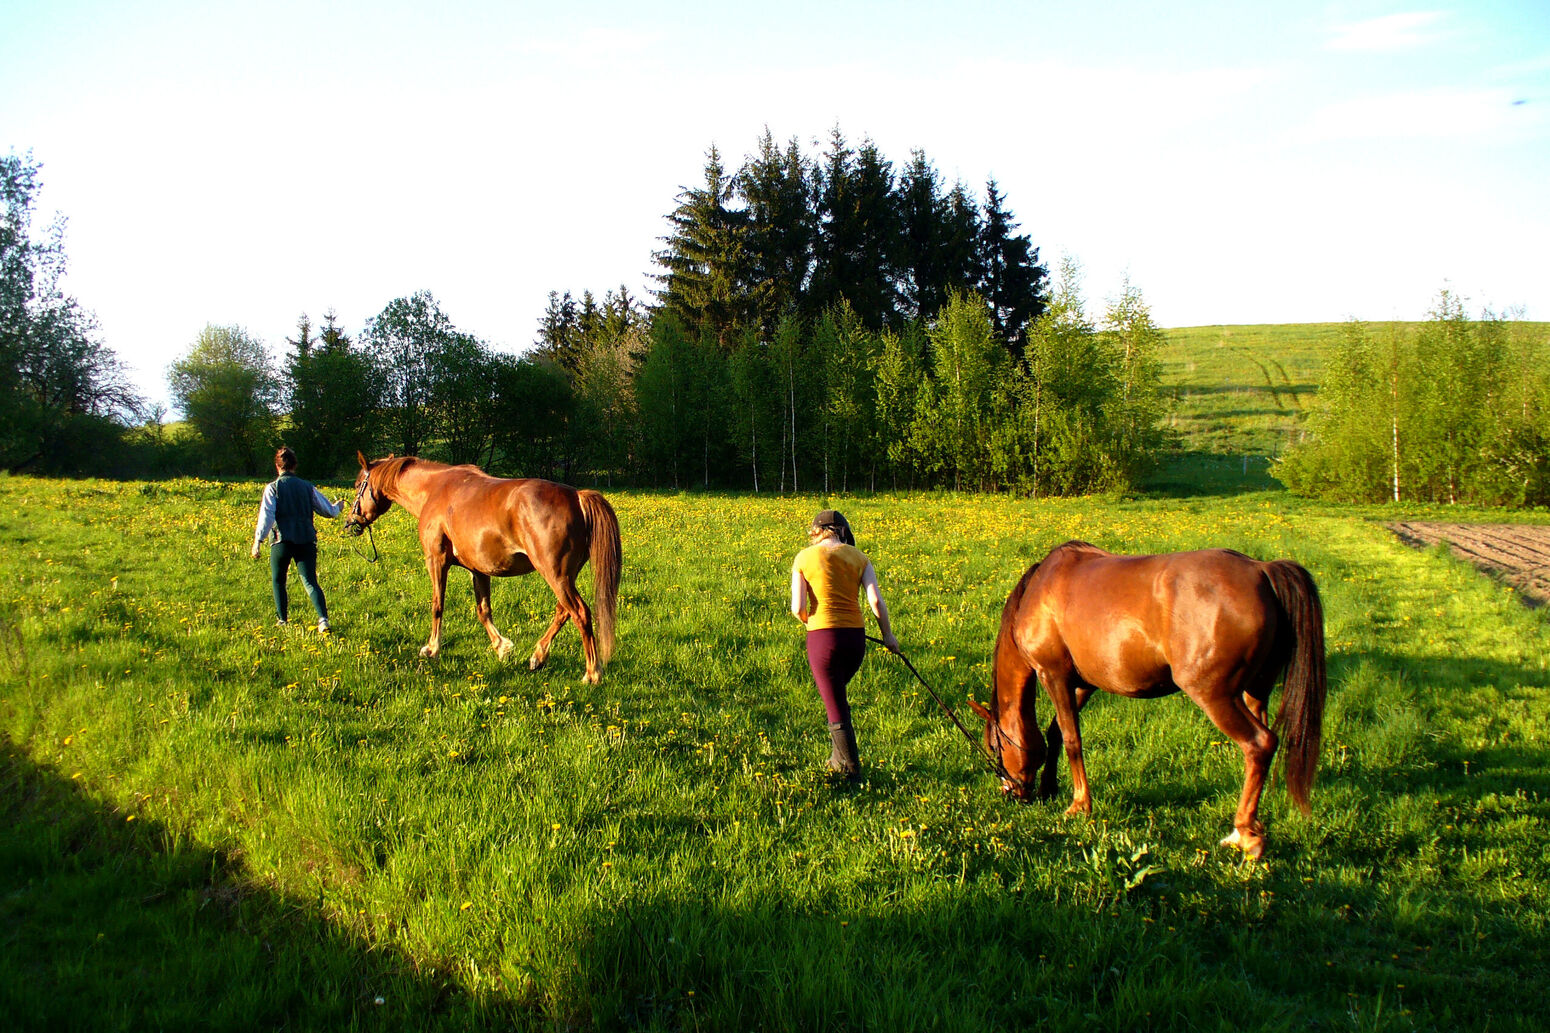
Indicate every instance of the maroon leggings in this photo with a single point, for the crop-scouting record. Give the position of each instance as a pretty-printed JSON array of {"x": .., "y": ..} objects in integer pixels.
[{"x": 835, "y": 655}]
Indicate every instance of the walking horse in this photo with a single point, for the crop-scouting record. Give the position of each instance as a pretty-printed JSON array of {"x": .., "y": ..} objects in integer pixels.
[
  {"x": 498, "y": 527},
  {"x": 1214, "y": 624}
]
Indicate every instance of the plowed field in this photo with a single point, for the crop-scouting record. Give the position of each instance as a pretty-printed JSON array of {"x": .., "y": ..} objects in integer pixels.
[{"x": 1519, "y": 554}]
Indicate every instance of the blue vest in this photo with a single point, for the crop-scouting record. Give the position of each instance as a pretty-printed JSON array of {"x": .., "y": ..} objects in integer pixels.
[{"x": 293, "y": 510}]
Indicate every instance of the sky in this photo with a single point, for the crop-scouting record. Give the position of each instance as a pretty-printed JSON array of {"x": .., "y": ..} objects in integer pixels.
[{"x": 1239, "y": 163}]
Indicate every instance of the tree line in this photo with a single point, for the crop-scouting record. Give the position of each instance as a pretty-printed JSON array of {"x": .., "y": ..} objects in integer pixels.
[
  {"x": 821, "y": 322},
  {"x": 1456, "y": 411},
  {"x": 631, "y": 396}
]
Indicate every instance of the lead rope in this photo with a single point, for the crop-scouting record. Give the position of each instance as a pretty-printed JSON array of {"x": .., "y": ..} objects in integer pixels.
[
  {"x": 374, "y": 553},
  {"x": 979, "y": 747}
]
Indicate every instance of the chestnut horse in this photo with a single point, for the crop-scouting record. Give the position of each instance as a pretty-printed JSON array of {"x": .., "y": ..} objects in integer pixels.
[
  {"x": 1216, "y": 625},
  {"x": 494, "y": 527}
]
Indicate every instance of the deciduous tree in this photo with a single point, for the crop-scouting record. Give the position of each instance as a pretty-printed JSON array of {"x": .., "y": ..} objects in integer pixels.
[{"x": 228, "y": 390}]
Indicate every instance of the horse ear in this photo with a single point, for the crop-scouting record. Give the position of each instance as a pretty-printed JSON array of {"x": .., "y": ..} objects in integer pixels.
[
  {"x": 361, "y": 458},
  {"x": 979, "y": 708}
]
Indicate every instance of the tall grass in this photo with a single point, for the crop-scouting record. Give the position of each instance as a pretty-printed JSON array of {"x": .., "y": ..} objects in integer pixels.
[{"x": 214, "y": 821}]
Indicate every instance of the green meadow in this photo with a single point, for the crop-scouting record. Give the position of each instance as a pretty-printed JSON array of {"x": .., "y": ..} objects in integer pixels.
[{"x": 213, "y": 822}]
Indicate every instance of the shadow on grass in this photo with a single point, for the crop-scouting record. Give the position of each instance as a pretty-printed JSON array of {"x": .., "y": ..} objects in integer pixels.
[
  {"x": 1174, "y": 953},
  {"x": 1457, "y": 769},
  {"x": 108, "y": 923}
]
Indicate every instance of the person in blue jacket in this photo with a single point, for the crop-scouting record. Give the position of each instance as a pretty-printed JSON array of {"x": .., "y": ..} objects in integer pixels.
[{"x": 285, "y": 515}]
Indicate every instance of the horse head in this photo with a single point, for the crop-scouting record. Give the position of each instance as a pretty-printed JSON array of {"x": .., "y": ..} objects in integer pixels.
[
  {"x": 370, "y": 501},
  {"x": 1018, "y": 784}
]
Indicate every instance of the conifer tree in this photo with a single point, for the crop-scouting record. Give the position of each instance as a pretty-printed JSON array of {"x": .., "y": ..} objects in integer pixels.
[
  {"x": 706, "y": 278},
  {"x": 777, "y": 188},
  {"x": 923, "y": 280},
  {"x": 1013, "y": 280},
  {"x": 858, "y": 234}
]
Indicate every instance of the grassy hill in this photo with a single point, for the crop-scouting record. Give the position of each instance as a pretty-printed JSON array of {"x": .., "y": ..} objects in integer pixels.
[{"x": 1241, "y": 393}]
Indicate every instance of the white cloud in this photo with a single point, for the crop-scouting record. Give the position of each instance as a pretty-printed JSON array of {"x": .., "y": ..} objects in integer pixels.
[{"x": 1391, "y": 32}]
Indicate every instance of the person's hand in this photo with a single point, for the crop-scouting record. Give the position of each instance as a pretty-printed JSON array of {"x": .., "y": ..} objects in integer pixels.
[
  {"x": 254, "y": 553},
  {"x": 891, "y": 643}
]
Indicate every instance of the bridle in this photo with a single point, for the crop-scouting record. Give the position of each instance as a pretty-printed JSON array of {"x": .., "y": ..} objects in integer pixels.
[
  {"x": 1001, "y": 739},
  {"x": 354, "y": 524}
]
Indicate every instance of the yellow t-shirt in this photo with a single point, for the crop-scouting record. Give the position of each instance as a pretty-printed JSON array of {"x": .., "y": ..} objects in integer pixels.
[{"x": 833, "y": 574}]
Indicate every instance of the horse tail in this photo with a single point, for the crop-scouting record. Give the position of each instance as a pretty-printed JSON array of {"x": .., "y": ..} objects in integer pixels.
[
  {"x": 607, "y": 557},
  {"x": 1300, "y": 719}
]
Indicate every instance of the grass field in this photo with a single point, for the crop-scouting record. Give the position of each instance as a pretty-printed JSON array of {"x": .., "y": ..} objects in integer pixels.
[{"x": 213, "y": 822}]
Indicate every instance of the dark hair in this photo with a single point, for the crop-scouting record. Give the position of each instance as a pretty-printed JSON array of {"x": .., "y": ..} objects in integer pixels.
[
  {"x": 285, "y": 459},
  {"x": 834, "y": 521}
]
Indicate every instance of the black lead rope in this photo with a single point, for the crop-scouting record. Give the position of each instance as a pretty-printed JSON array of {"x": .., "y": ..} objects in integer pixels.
[
  {"x": 371, "y": 538},
  {"x": 979, "y": 747}
]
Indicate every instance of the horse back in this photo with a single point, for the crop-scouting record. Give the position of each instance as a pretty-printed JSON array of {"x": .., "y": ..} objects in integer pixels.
[
  {"x": 506, "y": 526},
  {"x": 1146, "y": 625}
]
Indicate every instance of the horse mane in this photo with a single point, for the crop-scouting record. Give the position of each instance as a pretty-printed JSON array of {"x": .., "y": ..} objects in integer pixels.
[
  {"x": 1008, "y": 619},
  {"x": 393, "y": 468}
]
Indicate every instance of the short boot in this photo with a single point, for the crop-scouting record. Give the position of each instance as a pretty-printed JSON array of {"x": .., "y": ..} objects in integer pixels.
[{"x": 843, "y": 759}]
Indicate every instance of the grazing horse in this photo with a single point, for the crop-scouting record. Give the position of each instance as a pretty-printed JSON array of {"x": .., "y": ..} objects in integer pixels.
[
  {"x": 495, "y": 527},
  {"x": 1216, "y": 625}
]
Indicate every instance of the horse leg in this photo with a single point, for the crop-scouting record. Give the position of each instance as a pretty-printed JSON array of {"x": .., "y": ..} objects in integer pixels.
[
  {"x": 579, "y": 612},
  {"x": 1057, "y": 684},
  {"x": 1258, "y": 743},
  {"x": 436, "y": 565},
  {"x": 482, "y": 610},
  {"x": 1049, "y": 780},
  {"x": 541, "y": 649}
]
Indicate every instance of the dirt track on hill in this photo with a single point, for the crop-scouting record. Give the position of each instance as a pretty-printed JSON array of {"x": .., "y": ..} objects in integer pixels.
[{"x": 1519, "y": 554}]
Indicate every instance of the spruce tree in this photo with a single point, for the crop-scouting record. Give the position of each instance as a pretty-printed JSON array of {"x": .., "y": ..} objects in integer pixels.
[
  {"x": 705, "y": 283},
  {"x": 1013, "y": 280},
  {"x": 777, "y": 188}
]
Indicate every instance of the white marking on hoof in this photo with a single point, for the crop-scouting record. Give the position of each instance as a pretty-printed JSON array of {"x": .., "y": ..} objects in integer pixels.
[
  {"x": 429, "y": 652},
  {"x": 536, "y": 661},
  {"x": 503, "y": 647},
  {"x": 1253, "y": 848}
]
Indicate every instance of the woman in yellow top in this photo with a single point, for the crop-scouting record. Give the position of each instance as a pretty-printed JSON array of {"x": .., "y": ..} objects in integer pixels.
[{"x": 826, "y": 583}]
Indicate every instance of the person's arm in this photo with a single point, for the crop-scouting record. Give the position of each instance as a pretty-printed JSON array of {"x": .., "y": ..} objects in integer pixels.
[
  {"x": 874, "y": 598},
  {"x": 325, "y": 507},
  {"x": 265, "y": 519},
  {"x": 799, "y": 594}
]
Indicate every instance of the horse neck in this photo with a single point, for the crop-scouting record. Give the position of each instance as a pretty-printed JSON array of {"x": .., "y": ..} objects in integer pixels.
[
  {"x": 407, "y": 481},
  {"x": 1008, "y": 673},
  {"x": 1009, "y": 670}
]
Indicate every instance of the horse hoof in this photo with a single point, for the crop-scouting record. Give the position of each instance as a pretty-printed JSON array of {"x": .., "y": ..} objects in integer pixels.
[
  {"x": 535, "y": 661},
  {"x": 591, "y": 678},
  {"x": 1253, "y": 847},
  {"x": 503, "y": 649},
  {"x": 428, "y": 652}
]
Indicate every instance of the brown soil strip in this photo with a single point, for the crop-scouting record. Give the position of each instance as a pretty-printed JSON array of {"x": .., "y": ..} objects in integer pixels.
[{"x": 1517, "y": 554}]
